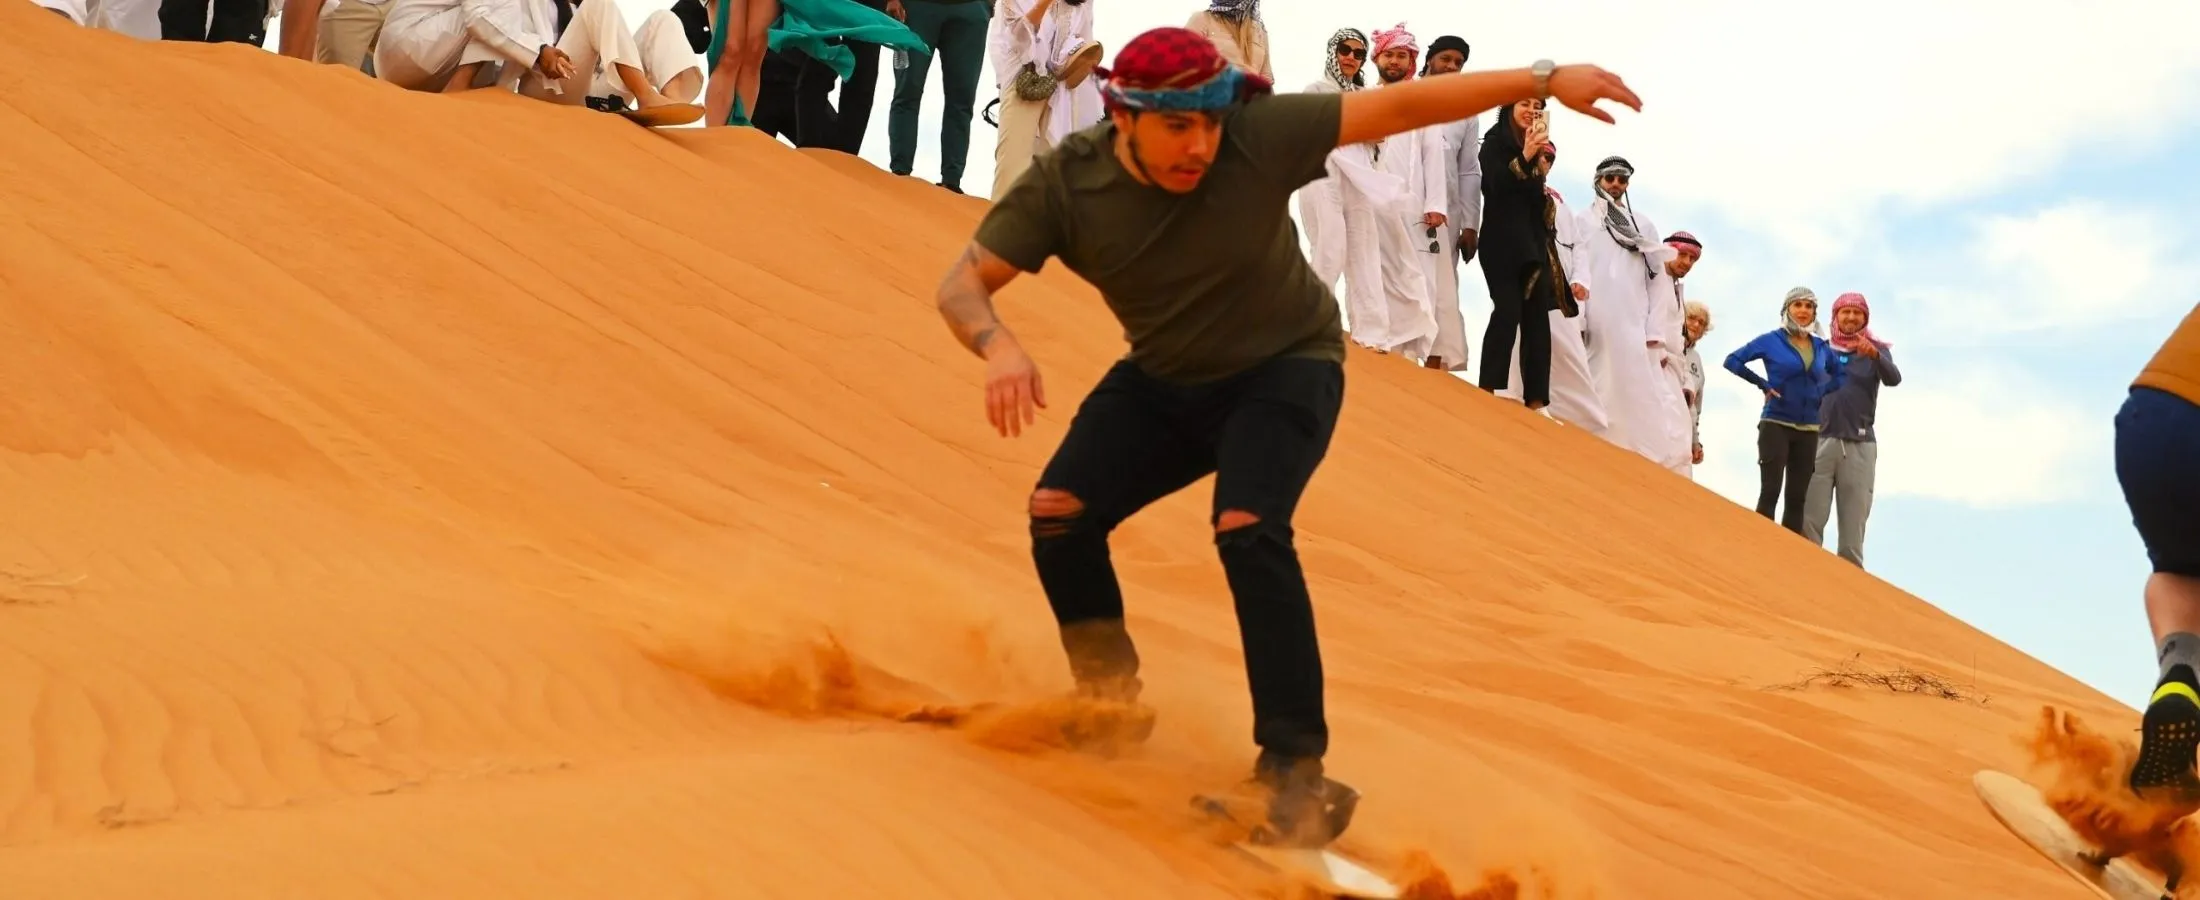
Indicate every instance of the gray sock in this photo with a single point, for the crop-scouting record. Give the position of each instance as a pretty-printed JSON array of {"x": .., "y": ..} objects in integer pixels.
[{"x": 2179, "y": 649}]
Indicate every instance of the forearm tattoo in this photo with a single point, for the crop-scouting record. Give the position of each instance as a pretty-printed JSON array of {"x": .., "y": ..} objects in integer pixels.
[{"x": 967, "y": 305}]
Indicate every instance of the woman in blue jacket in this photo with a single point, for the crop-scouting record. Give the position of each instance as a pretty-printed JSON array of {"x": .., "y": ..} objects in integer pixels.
[{"x": 1795, "y": 380}]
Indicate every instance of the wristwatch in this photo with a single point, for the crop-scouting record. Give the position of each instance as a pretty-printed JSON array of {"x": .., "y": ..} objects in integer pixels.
[{"x": 1543, "y": 69}]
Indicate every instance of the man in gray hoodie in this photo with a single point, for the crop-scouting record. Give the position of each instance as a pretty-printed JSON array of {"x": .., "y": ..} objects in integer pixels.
[{"x": 1848, "y": 448}]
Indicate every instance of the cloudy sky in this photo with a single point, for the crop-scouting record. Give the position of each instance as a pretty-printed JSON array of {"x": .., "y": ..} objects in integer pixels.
[{"x": 2010, "y": 186}]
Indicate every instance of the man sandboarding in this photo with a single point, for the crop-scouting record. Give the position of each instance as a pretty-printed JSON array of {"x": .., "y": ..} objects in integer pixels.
[{"x": 1175, "y": 207}]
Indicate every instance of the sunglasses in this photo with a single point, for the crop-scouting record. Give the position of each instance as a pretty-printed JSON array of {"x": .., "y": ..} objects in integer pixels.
[
  {"x": 1616, "y": 179},
  {"x": 1354, "y": 52}
]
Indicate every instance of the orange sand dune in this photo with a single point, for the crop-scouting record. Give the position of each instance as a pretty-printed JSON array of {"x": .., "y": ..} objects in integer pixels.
[{"x": 417, "y": 496}]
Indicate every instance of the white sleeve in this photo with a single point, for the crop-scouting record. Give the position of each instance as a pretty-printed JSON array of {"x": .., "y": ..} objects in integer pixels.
[
  {"x": 501, "y": 25},
  {"x": 1435, "y": 192},
  {"x": 1582, "y": 259},
  {"x": 1585, "y": 227},
  {"x": 1569, "y": 242},
  {"x": 1654, "y": 314},
  {"x": 1470, "y": 176},
  {"x": 1023, "y": 38}
]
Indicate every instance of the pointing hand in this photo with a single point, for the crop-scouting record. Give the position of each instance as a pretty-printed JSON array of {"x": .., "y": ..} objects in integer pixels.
[{"x": 1581, "y": 87}]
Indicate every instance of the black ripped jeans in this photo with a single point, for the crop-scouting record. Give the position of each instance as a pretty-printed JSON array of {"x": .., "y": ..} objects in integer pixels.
[
  {"x": 1137, "y": 439},
  {"x": 1790, "y": 452}
]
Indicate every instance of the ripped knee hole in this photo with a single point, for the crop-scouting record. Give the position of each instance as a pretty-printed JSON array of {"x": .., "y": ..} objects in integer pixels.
[
  {"x": 1052, "y": 512},
  {"x": 1234, "y": 519}
]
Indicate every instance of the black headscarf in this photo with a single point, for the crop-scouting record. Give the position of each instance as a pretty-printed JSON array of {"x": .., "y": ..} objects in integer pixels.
[
  {"x": 1441, "y": 44},
  {"x": 1502, "y": 135}
]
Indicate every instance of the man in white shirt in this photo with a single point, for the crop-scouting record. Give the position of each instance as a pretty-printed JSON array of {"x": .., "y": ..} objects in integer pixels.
[
  {"x": 1460, "y": 146},
  {"x": 1417, "y": 259},
  {"x": 452, "y": 45}
]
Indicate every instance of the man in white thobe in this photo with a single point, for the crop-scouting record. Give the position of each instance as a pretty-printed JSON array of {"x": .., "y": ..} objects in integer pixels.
[
  {"x": 448, "y": 45},
  {"x": 1420, "y": 262},
  {"x": 1047, "y": 38},
  {"x": 1354, "y": 221},
  {"x": 1573, "y": 392},
  {"x": 1461, "y": 149},
  {"x": 1668, "y": 313},
  {"x": 1626, "y": 341}
]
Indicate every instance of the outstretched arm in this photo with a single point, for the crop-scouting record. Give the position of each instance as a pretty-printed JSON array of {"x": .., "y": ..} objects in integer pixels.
[{"x": 1421, "y": 102}]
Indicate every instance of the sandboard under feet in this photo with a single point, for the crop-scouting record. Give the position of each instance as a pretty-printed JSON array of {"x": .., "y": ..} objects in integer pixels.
[
  {"x": 2022, "y": 809},
  {"x": 662, "y": 116},
  {"x": 1320, "y": 868}
]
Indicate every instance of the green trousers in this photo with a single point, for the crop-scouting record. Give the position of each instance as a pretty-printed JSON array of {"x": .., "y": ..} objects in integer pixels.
[{"x": 956, "y": 33}]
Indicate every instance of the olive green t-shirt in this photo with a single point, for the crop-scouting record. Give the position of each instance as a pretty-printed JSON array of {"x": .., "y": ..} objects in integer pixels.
[{"x": 1206, "y": 284}]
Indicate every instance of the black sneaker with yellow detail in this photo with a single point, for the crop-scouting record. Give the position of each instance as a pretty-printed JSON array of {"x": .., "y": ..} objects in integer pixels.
[{"x": 2170, "y": 738}]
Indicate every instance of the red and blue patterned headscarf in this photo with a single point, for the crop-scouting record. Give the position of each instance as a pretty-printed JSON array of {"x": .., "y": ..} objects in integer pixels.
[{"x": 1176, "y": 70}]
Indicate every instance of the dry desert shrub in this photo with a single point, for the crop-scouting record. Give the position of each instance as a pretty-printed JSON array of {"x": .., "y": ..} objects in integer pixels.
[{"x": 1900, "y": 679}]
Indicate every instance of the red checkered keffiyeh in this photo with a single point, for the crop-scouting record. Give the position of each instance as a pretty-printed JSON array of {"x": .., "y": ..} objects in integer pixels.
[{"x": 1175, "y": 69}]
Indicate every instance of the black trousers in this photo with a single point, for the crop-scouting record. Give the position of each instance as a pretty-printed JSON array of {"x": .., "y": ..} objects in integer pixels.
[
  {"x": 1514, "y": 309},
  {"x": 795, "y": 99},
  {"x": 1137, "y": 439},
  {"x": 239, "y": 21},
  {"x": 1789, "y": 452},
  {"x": 853, "y": 117}
]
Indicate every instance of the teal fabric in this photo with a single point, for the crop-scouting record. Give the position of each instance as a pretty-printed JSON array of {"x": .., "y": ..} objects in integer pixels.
[{"x": 806, "y": 25}]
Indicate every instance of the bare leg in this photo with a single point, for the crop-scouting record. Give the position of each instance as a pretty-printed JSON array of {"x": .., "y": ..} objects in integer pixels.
[
  {"x": 463, "y": 78},
  {"x": 761, "y": 13},
  {"x": 666, "y": 59},
  {"x": 645, "y": 94},
  {"x": 725, "y": 78},
  {"x": 684, "y": 87},
  {"x": 301, "y": 28},
  {"x": 2173, "y": 604}
]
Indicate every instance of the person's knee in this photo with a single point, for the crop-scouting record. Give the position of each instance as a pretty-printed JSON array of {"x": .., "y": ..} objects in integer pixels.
[
  {"x": 1238, "y": 530},
  {"x": 1054, "y": 512},
  {"x": 593, "y": 12}
]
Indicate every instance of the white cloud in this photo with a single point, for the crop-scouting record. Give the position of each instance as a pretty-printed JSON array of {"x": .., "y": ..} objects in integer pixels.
[
  {"x": 1797, "y": 120},
  {"x": 2064, "y": 272},
  {"x": 2085, "y": 264},
  {"x": 1987, "y": 435},
  {"x": 1968, "y": 425},
  {"x": 1991, "y": 436}
]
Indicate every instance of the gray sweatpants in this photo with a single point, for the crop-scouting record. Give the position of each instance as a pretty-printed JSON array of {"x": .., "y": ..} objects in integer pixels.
[{"x": 1843, "y": 473}]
